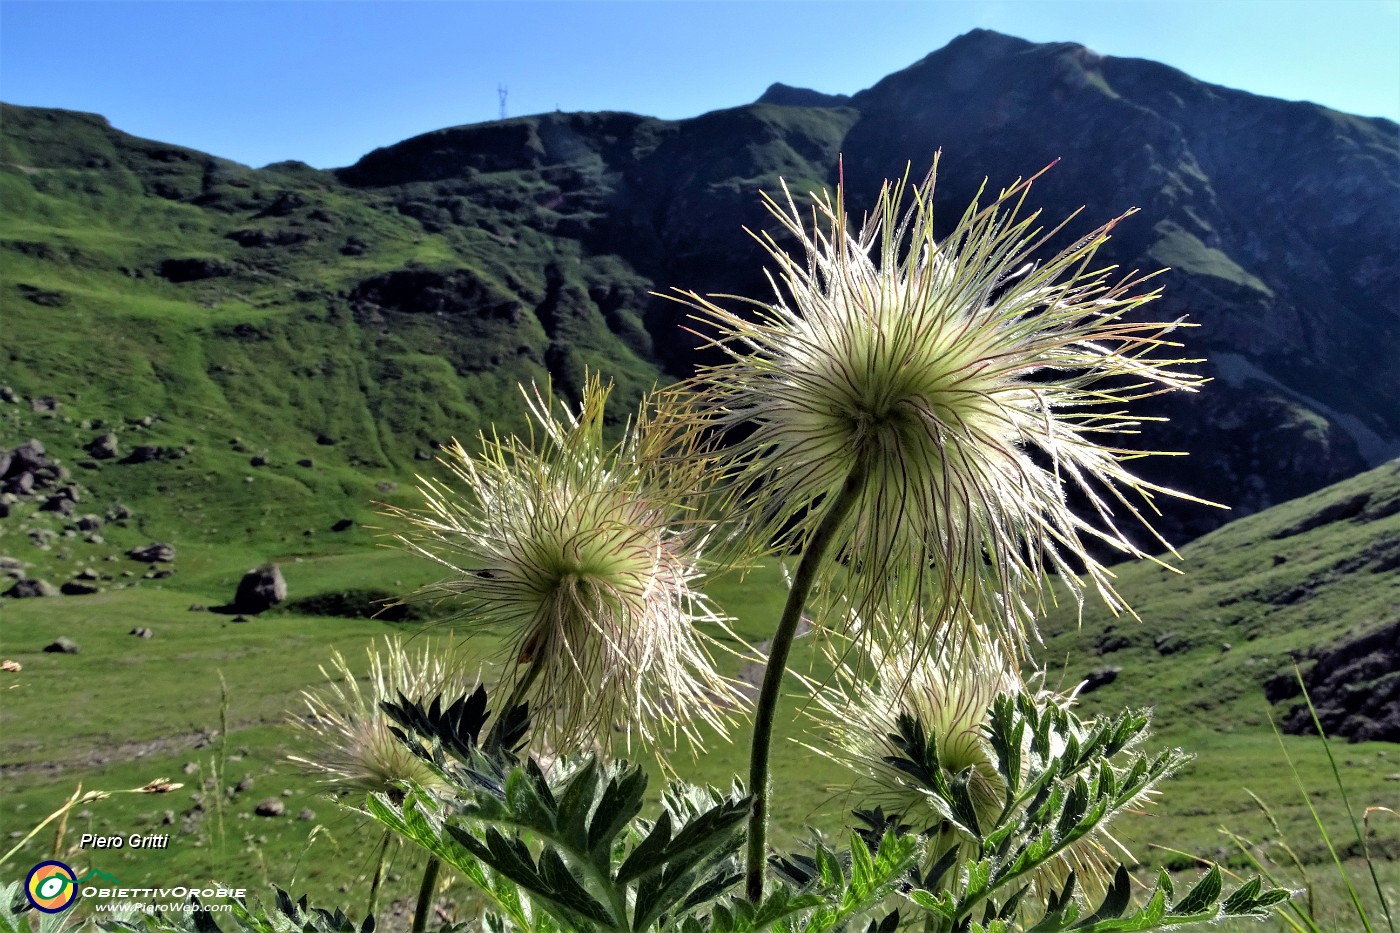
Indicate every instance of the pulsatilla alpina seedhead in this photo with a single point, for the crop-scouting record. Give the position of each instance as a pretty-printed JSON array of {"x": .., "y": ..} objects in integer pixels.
[
  {"x": 583, "y": 557},
  {"x": 959, "y": 383}
]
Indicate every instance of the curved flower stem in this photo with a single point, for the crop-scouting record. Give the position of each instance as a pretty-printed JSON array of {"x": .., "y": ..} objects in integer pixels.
[
  {"x": 425, "y": 893},
  {"x": 813, "y": 557}
]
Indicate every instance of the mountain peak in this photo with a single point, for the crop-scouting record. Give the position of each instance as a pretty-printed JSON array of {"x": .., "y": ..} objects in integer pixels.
[{"x": 788, "y": 96}]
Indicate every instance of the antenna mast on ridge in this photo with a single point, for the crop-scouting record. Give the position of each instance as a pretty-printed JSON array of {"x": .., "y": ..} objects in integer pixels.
[{"x": 501, "y": 91}]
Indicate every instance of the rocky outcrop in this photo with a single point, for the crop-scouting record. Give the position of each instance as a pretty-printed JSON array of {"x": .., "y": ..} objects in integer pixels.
[
  {"x": 29, "y": 470},
  {"x": 1298, "y": 320},
  {"x": 193, "y": 269},
  {"x": 103, "y": 447},
  {"x": 1354, "y": 687}
]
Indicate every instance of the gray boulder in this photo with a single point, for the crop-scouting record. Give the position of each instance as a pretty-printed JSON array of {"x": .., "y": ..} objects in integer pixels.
[
  {"x": 144, "y": 453},
  {"x": 61, "y": 645},
  {"x": 1099, "y": 678},
  {"x": 59, "y": 503},
  {"x": 260, "y": 590},
  {"x": 270, "y": 806},
  {"x": 103, "y": 447},
  {"x": 28, "y": 458},
  {"x": 155, "y": 552},
  {"x": 25, "y": 589}
]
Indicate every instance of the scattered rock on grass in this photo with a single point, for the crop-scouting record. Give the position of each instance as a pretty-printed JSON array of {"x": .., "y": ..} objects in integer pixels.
[
  {"x": 103, "y": 447},
  {"x": 155, "y": 552},
  {"x": 1170, "y": 643},
  {"x": 59, "y": 503},
  {"x": 27, "y": 588},
  {"x": 141, "y": 632},
  {"x": 143, "y": 453},
  {"x": 61, "y": 645},
  {"x": 260, "y": 589},
  {"x": 270, "y": 806},
  {"x": 1100, "y": 678}
]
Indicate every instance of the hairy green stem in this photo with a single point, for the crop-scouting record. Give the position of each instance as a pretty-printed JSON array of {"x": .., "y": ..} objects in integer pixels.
[
  {"x": 425, "y": 893},
  {"x": 373, "y": 907},
  {"x": 813, "y": 557}
]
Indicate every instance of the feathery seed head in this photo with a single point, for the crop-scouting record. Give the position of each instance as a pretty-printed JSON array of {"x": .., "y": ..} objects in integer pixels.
[
  {"x": 353, "y": 749},
  {"x": 585, "y": 558},
  {"x": 948, "y": 693},
  {"x": 964, "y": 383},
  {"x": 950, "y": 696}
]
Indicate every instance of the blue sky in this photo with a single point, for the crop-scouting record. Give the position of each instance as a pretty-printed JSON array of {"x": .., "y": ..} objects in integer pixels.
[{"x": 325, "y": 82}]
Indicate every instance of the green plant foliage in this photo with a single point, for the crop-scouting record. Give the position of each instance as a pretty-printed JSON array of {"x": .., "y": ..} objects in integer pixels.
[
  {"x": 570, "y": 850},
  {"x": 572, "y": 844},
  {"x": 1064, "y": 781}
]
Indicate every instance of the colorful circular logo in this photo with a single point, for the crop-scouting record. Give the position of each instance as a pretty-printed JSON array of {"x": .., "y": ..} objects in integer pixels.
[{"x": 51, "y": 887}]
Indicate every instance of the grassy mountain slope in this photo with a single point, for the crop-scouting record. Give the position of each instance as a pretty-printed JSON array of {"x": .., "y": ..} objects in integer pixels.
[
  {"x": 271, "y": 314},
  {"x": 1251, "y": 598},
  {"x": 398, "y": 301}
]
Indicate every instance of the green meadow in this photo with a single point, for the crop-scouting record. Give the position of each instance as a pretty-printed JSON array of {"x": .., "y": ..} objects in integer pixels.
[{"x": 205, "y": 702}]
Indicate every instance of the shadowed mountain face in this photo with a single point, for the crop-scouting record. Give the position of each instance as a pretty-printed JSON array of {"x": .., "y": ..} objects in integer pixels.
[
  {"x": 529, "y": 246},
  {"x": 1278, "y": 221}
]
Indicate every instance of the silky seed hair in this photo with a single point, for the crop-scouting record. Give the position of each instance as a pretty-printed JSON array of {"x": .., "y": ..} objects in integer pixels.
[
  {"x": 951, "y": 694},
  {"x": 585, "y": 559},
  {"x": 968, "y": 381},
  {"x": 352, "y": 749}
]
